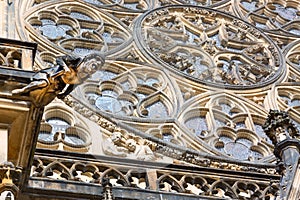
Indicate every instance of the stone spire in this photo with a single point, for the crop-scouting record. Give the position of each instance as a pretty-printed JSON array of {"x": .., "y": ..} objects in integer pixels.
[
  {"x": 285, "y": 137},
  {"x": 107, "y": 190}
]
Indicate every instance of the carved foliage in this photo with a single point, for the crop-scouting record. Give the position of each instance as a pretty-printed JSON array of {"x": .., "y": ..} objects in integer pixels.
[{"x": 10, "y": 57}]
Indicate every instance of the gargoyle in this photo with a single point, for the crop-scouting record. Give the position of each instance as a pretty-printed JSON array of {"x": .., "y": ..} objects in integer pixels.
[{"x": 60, "y": 80}]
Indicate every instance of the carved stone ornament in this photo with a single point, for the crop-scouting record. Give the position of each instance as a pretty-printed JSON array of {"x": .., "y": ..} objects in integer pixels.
[
  {"x": 285, "y": 137},
  {"x": 10, "y": 177},
  {"x": 129, "y": 146},
  {"x": 279, "y": 127},
  {"x": 10, "y": 57},
  {"x": 120, "y": 149},
  {"x": 186, "y": 180},
  {"x": 209, "y": 46},
  {"x": 60, "y": 80}
]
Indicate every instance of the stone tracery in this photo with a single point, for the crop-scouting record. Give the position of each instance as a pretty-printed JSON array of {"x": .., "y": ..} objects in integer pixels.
[
  {"x": 131, "y": 93},
  {"x": 166, "y": 82},
  {"x": 271, "y": 15},
  {"x": 175, "y": 182},
  {"x": 76, "y": 29},
  {"x": 219, "y": 49},
  {"x": 204, "y": 44},
  {"x": 61, "y": 131}
]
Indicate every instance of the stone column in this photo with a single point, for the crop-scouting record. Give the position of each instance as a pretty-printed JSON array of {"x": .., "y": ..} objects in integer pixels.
[{"x": 285, "y": 138}]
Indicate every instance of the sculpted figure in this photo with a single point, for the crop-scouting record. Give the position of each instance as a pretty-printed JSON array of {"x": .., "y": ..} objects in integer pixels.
[
  {"x": 141, "y": 152},
  {"x": 118, "y": 145},
  {"x": 113, "y": 145},
  {"x": 280, "y": 134},
  {"x": 60, "y": 80}
]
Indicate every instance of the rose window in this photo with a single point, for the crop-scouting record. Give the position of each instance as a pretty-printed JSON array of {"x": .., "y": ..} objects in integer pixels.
[{"x": 209, "y": 47}]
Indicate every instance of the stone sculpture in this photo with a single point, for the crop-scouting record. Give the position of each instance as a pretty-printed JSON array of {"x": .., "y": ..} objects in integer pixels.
[{"x": 60, "y": 80}]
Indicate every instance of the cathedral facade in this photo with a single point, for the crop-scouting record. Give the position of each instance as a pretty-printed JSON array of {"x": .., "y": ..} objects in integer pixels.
[{"x": 185, "y": 99}]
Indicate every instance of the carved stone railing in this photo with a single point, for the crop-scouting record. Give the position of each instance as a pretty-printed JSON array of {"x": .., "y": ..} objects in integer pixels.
[
  {"x": 17, "y": 54},
  {"x": 146, "y": 178}
]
